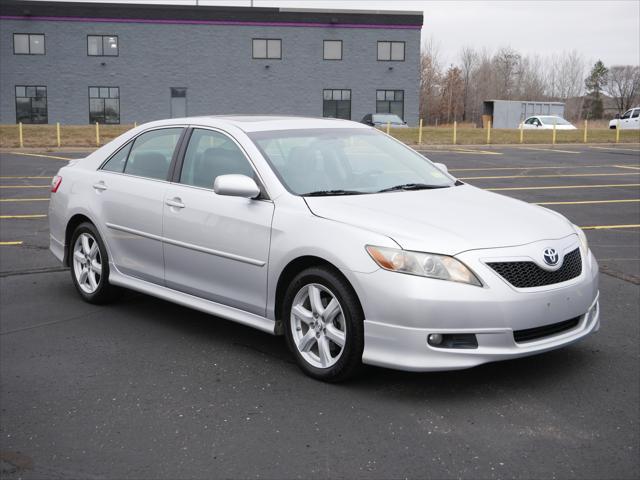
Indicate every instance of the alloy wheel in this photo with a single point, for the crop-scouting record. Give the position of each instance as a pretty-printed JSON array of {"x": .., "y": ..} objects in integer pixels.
[
  {"x": 318, "y": 325},
  {"x": 87, "y": 263}
]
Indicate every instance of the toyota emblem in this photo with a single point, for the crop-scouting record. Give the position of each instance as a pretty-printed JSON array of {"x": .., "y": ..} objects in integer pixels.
[{"x": 550, "y": 256}]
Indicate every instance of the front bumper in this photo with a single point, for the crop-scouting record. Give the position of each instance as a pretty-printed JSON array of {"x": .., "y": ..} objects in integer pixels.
[{"x": 401, "y": 311}]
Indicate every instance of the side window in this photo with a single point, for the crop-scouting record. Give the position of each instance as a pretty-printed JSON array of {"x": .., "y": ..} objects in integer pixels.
[
  {"x": 636, "y": 113},
  {"x": 209, "y": 155},
  {"x": 116, "y": 162},
  {"x": 626, "y": 115},
  {"x": 151, "y": 153}
]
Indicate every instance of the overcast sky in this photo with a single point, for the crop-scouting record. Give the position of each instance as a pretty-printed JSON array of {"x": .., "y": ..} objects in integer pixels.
[{"x": 600, "y": 29}]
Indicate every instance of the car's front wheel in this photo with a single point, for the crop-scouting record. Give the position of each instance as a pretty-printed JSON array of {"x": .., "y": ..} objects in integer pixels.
[
  {"x": 324, "y": 324},
  {"x": 90, "y": 265}
]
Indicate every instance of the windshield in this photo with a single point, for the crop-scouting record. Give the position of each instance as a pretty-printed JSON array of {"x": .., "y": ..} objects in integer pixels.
[
  {"x": 388, "y": 118},
  {"x": 552, "y": 120},
  {"x": 341, "y": 161}
]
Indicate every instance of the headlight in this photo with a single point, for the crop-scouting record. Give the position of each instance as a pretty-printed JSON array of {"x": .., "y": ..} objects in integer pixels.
[
  {"x": 583, "y": 238},
  {"x": 423, "y": 264}
]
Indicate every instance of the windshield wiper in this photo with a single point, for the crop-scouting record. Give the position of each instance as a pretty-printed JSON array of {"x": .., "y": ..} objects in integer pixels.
[
  {"x": 323, "y": 193},
  {"x": 412, "y": 186}
]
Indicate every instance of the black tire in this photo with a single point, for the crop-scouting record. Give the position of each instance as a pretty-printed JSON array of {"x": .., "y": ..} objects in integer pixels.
[
  {"x": 612, "y": 127},
  {"x": 350, "y": 360},
  {"x": 105, "y": 292}
]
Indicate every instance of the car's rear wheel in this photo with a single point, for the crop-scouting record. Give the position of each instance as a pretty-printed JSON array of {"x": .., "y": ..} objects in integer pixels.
[
  {"x": 324, "y": 324},
  {"x": 90, "y": 265}
]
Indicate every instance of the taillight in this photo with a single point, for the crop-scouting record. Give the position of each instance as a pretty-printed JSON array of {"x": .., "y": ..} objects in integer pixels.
[{"x": 55, "y": 183}]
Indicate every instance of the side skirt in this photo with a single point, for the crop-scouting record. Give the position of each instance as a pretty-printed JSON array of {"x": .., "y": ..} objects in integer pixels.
[{"x": 186, "y": 300}]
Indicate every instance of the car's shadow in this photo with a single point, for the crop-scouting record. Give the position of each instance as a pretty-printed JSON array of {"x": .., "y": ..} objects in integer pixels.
[{"x": 530, "y": 373}]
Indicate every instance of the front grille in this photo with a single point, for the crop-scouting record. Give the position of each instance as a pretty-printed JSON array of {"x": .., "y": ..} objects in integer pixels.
[
  {"x": 530, "y": 334},
  {"x": 528, "y": 274}
]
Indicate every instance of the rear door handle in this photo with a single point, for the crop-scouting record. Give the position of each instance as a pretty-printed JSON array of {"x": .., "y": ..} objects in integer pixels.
[
  {"x": 100, "y": 186},
  {"x": 175, "y": 203}
]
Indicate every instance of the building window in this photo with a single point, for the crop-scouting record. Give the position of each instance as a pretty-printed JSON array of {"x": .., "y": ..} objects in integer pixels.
[
  {"x": 178, "y": 102},
  {"x": 333, "y": 49},
  {"x": 31, "y": 104},
  {"x": 390, "y": 101},
  {"x": 391, "y": 51},
  {"x": 102, "y": 45},
  {"x": 104, "y": 104},
  {"x": 336, "y": 104},
  {"x": 270, "y": 48},
  {"x": 28, "y": 44}
]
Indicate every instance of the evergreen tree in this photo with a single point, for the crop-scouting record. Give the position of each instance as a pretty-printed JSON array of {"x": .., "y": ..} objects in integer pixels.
[{"x": 595, "y": 83}]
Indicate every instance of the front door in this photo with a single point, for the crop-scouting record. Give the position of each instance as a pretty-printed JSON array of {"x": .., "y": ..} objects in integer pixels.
[{"x": 216, "y": 247}]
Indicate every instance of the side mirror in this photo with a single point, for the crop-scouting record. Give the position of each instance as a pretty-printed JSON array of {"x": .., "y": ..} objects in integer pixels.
[
  {"x": 442, "y": 167},
  {"x": 236, "y": 186}
]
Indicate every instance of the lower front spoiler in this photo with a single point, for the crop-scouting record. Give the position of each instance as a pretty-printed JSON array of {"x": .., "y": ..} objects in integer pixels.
[{"x": 405, "y": 348}]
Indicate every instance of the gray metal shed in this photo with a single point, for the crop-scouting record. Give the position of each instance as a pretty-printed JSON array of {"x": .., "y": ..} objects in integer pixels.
[{"x": 509, "y": 113}]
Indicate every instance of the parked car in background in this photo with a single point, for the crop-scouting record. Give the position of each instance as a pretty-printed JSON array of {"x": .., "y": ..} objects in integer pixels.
[
  {"x": 630, "y": 120},
  {"x": 546, "y": 122},
  {"x": 382, "y": 119},
  {"x": 354, "y": 246}
]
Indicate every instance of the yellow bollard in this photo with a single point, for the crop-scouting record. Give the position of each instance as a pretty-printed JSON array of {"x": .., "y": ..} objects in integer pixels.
[
  {"x": 58, "y": 133},
  {"x": 618, "y": 132},
  {"x": 553, "y": 136},
  {"x": 420, "y": 133},
  {"x": 388, "y": 127},
  {"x": 522, "y": 132},
  {"x": 455, "y": 131},
  {"x": 135, "y": 124},
  {"x": 20, "y": 136},
  {"x": 585, "y": 131},
  {"x": 97, "y": 134},
  {"x": 488, "y": 132}
]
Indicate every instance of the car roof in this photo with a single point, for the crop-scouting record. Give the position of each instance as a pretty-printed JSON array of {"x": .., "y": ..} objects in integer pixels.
[{"x": 258, "y": 123}]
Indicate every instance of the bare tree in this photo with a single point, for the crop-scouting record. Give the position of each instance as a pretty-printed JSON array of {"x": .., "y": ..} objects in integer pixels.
[
  {"x": 624, "y": 86},
  {"x": 468, "y": 61},
  {"x": 430, "y": 75},
  {"x": 507, "y": 63},
  {"x": 451, "y": 105}
]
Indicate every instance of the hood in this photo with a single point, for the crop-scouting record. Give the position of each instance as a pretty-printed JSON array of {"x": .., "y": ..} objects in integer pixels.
[{"x": 446, "y": 220}]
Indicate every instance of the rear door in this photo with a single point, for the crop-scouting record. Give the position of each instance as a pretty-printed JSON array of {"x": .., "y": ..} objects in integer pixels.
[
  {"x": 130, "y": 188},
  {"x": 216, "y": 247}
]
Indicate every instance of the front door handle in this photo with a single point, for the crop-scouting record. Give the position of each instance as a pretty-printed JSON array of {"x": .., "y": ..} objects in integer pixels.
[
  {"x": 175, "y": 203},
  {"x": 100, "y": 186}
]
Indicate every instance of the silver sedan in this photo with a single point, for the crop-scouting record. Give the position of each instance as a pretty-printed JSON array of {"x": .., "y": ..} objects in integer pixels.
[{"x": 353, "y": 246}]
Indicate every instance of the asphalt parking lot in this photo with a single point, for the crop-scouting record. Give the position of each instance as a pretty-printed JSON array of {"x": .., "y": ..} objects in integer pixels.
[{"x": 147, "y": 389}]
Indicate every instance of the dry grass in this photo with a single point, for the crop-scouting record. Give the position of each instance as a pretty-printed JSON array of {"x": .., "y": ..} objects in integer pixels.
[
  {"x": 70, "y": 135},
  {"x": 44, "y": 136},
  {"x": 478, "y": 136}
]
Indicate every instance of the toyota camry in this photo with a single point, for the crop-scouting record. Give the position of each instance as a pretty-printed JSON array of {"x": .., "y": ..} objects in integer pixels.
[{"x": 352, "y": 245}]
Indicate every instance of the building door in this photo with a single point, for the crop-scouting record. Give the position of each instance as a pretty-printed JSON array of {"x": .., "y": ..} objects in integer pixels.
[{"x": 178, "y": 102}]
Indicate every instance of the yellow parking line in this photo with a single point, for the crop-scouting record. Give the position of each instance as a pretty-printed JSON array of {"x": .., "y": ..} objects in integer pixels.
[
  {"x": 8, "y": 217},
  {"x": 589, "y": 202},
  {"x": 627, "y": 166},
  {"x": 608, "y": 227},
  {"x": 538, "y": 167},
  {"x": 616, "y": 148},
  {"x": 552, "y": 176},
  {"x": 13, "y": 177},
  {"x": 25, "y": 186},
  {"x": 548, "y": 150},
  {"x": 478, "y": 152},
  {"x": 24, "y": 199},
  {"x": 559, "y": 187},
  {"x": 42, "y": 156},
  {"x": 10, "y": 243}
]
